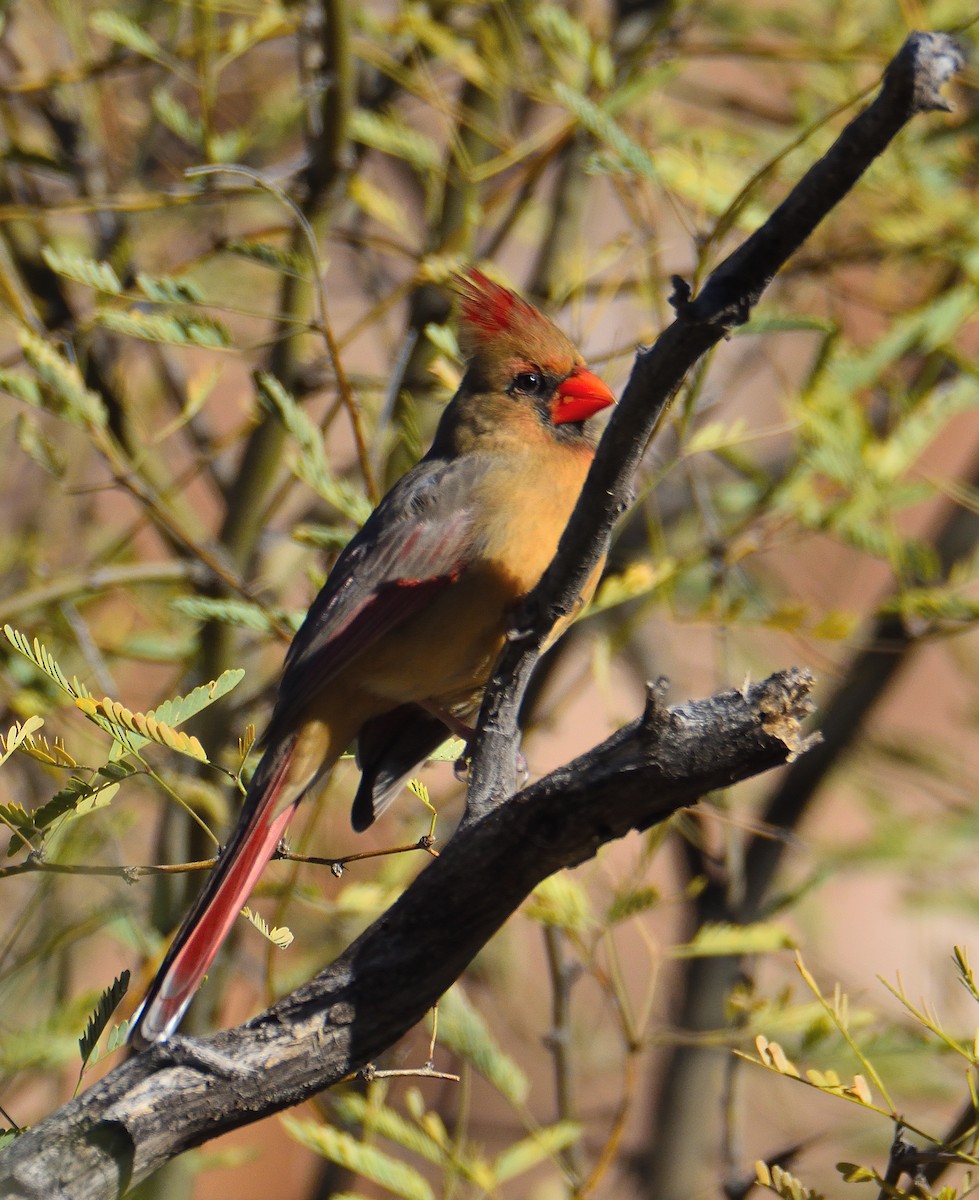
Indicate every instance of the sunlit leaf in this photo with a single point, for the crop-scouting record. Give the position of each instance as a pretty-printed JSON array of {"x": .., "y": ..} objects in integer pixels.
[
  {"x": 369, "y": 1162},
  {"x": 463, "y": 1030}
]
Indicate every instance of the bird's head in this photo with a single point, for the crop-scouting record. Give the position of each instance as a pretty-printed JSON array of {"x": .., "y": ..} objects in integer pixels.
[{"x": 520, "y": 363}]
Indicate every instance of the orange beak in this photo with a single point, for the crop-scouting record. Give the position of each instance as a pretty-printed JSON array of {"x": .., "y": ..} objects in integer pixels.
[{"x": 579, "y": 397}]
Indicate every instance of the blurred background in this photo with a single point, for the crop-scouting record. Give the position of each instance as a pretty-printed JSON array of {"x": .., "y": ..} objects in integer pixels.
[{"x": 225, "y": 231}]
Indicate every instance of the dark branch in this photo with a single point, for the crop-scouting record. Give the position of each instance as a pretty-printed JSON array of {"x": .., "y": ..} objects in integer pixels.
[
  {"x": 911, "y": 85},
  {"x": 127, "y": 1125}
]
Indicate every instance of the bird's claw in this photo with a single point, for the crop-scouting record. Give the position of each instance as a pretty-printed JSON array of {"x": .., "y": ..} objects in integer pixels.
[{"x": 460, "y": 768}]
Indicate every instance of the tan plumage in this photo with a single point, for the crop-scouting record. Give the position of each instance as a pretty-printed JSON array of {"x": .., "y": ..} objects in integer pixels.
[{"x": 396, "y": 649}]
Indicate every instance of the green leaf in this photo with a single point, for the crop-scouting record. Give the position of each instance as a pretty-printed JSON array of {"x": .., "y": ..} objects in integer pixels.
[
  {"x": 39, "y": 448},
  {"x": 322, "y": 537},
  {"x": 444, "y": 339},
  {"x": 165, "y": 289},
  {"x": 716, "y": 435},
  {"x": 896, "y": 454},
  {"x": 783, "y": 1183},
  {"x": 629, "y": 154},
  {"x": 630, "y": 902},
  {"x": 388, "y": 133},
  {"x": 41, "y": 1046},
  {"x": 272, "y": 21},
  {"x": 449, "y": 751},
  {"x": 463, "y": 1030},
  {"x": 230, "y": 146},
  {"x": 98, "y": 275},
  {"x": 445, "y": 45},
  {"x": 72, "y": 399},
  {"x": 923, "y": 329},
  {"x": 934, "y": 604},
  {"x": 380, "y": 1119},
  {"x": 176, "y": 117},
  {"x": 77, "y": 798},
  {"x": 243, "y": 614},
  {"x": 367, "y": 1161},
  {"x": 16, "y": 734},
  {"x": 181, "y": 708},
  {"x": 960, "y": 956},
  {"x": 107, "y": 1005},
  {"x": 118, "y": 1036},
  {"x": 855, "y": 1173},
  {"x": 117, "y": 27},
  {"x": 21, "y": 386},
  {"x": 718, "y": 939},
  {"x": 763, "y": 323},
  {"x": 556, "y": 29},
  {"x": 173, "y": 329},
  {"x": 380, "y": 204},
  {"x": 560, "y": 901},
  {"x": 640, "y": 578},
  {"x": 287, "y": 262},
  {"x": 44, "y": 660},
  {"x": 311, "y": 466},
  {"x": 20, "y": 822},
  {"x": 133, "y": 730},
  {"x": 530, "y": 1151}
]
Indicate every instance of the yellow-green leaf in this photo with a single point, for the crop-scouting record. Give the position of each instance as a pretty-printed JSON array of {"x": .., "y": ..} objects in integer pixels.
[{"x": 367, "y": 1161}]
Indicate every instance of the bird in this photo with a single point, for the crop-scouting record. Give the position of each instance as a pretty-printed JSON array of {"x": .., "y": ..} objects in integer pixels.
[{"x": 397, "y": 647}]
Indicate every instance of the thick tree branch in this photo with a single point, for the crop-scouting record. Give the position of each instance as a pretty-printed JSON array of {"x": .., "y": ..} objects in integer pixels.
[
  {"x": 127, "y": 1125},
  {"x": 911, "y": 85}
]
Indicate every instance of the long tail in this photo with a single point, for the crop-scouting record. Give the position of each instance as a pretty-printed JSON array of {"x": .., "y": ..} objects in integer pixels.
[{"x": 259, "y": 830}]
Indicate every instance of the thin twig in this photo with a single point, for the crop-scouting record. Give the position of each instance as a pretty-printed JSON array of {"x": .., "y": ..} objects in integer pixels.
[
  {"x": 37, "y": 865},
  {"x": 562, "y": 976},
  {"x": 100, "y": 579},
  {"x": 337, "y": 864},
  {"x": 369, "y": 1073}
]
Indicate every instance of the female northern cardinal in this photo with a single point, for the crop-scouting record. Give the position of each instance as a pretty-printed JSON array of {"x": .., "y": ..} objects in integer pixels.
[{"x": 398, "y": 645}]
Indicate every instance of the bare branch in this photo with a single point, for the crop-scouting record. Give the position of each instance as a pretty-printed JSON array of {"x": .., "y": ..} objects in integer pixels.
[
  {"x": 911, "y": 85},
  {"x": 127, "y": 1125}
]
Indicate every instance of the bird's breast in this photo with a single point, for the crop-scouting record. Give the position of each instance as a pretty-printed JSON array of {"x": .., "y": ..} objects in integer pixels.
[
  {"x": 524, "y": 504},
  {"x": 445, "y": 652}
]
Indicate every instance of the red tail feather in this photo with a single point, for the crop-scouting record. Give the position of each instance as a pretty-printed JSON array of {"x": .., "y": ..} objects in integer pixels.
[{"x": 259, "y": 830}]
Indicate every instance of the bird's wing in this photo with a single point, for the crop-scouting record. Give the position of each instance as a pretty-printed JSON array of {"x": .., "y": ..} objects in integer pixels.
[{"x": 415, "y": 543}]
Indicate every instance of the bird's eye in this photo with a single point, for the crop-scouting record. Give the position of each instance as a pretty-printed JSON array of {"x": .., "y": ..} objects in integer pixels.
[{"x": 531, "y": 383}]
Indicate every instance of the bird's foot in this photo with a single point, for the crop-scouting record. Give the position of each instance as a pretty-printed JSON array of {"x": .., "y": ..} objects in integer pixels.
[
  {"x": 452, "y": 723},
  {"x": 460, "y": 768}
]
